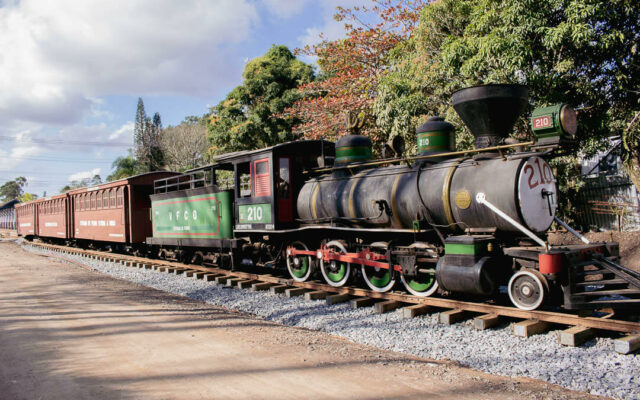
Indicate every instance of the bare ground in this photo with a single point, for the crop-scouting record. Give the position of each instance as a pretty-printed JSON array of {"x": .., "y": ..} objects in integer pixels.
[{"x": 67, "y": 332}]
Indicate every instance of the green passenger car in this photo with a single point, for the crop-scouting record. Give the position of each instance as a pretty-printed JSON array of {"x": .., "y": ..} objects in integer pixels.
[{"x": 193, "y": 214}]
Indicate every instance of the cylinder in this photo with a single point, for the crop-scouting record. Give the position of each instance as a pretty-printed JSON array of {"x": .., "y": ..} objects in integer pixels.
[{"x": 476, "y": 279}]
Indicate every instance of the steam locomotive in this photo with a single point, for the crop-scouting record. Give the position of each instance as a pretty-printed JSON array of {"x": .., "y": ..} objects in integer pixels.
[{"x": 463, "y": 222}]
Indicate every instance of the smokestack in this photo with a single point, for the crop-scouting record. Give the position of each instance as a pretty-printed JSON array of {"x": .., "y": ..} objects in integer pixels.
[{"x": 490, "y": 111}]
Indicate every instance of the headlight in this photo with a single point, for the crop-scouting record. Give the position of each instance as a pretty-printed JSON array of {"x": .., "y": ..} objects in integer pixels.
[{"x": 553, "y": 123}]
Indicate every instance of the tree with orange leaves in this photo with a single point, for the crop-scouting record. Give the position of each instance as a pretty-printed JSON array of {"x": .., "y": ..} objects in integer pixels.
[{"x": 351, "y": 67}]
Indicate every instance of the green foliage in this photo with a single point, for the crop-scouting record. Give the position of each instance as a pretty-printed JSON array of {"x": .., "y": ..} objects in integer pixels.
[
  {"x": 28, "y": 197},
  {"x": 249, "y": 116},
  {"x": 96, "y": 180},
  {"x": 12, "y": 190},
  {"x": 124, "y": 168},
  {"x": 582, "y": 52}
]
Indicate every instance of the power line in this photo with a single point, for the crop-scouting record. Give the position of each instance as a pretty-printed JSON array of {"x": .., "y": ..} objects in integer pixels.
[
  {"x": 71, "y": 142},
  {"x": 63, "y": 160}
]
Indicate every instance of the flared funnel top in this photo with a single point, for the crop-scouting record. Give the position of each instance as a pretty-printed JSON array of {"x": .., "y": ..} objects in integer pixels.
[{"x": 490, "y": 111}]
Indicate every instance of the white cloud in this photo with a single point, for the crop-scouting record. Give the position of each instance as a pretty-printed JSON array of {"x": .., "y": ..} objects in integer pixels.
[
  {"x": 58, "y": 56},
  {"x": 18, "y": 154},
  {"x": 78, "y": 176},
  {"x": 125, "y": 130},
  {"x": 330, "y": 28},
  {"x": 284, "y": 8}
]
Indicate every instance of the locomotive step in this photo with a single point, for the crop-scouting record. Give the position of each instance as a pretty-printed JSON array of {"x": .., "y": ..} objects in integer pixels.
[
  {"x": 602, "y": 282},
  {"x": 621, "y": 292},
  {"x": 605, "y": 274}
]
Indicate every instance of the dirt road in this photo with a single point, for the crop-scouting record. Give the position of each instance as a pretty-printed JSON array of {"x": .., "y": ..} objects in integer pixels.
[{"x": 69, "y": 333}]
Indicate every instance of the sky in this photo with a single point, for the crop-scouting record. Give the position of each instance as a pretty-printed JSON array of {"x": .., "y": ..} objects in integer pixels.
[{"x": 71, "y": 72}]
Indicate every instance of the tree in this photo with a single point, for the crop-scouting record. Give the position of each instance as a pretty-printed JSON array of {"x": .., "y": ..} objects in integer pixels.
[
  {"x": 250, "y": 116},
  {"x": 148, "y": 154},
  {"x": 184, "y": 146},
  {"x": 28, "y": 197},
  {"x": 12, "y": 190},
  {"x": 124, "y": 168},
  {"x": 581, "y": 52},
  {"x": 351, "y": 67},
  {"x": 95, "y": 180},
  {"x": 141, "y": 150},
  {"x": 156, "y": 157}
]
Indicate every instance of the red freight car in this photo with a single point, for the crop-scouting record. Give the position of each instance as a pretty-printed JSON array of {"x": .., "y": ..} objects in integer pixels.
[
  {"x": 53, "y": 218},
  {"x": 115, "y": 211},
  {"x": 26, "y": 218}
]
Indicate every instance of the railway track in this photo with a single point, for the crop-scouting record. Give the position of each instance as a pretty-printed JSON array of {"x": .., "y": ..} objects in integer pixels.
[{"x": 526, "y": 323}]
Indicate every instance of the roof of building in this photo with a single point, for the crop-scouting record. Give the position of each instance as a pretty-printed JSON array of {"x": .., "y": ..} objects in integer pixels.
[{"x": 9, "y": 204}]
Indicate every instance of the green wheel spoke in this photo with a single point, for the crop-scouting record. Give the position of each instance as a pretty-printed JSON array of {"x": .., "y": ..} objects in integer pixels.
[
  {"x": 380, "y": 279},
  {"x": 302, "y": 270},
  {"x": 422, "y": 285},
  {"x": 338, "y": 275},
  {"x": 300, "y": 266}
]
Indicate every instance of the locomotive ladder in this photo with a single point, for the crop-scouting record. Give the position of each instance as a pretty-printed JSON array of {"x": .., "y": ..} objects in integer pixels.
[{"x": 618, "y": 285}]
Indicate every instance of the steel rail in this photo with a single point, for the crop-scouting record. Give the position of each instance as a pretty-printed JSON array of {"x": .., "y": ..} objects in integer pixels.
[{"x": 604, "y": 323}]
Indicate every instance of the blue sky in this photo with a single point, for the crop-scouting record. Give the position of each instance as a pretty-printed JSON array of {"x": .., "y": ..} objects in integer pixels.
[{"x": 71, "y": 71}]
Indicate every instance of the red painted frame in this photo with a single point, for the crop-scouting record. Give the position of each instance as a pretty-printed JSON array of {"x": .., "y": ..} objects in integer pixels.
[
  {"x": 365, "y": 257},
  {"x": 256, "y": 175}
]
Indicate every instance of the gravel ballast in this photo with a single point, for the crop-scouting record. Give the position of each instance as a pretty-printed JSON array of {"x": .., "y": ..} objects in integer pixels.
[{"x": 593, "y": 367}]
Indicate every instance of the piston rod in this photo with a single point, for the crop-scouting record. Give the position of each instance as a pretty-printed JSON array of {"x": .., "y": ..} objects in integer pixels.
[
  {"x": 482, "y": 199},
  {"x": 570, "y": 229}
]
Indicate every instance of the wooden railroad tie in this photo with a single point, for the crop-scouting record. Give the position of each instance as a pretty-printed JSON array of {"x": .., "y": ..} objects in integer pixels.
[
  {"x": 416, "y": 310},
  {"x": 362, "y": 302},
  {"x": 451, "y": 317},
  {"x": 315, "y": 295},
  {"x": 486, "y": 321},
  {"x": 292, "y": 292},
  {"x": 279, "y": 288},
  {"x": 627, "y": 344},
  {"x": 338, "y": 298},
  {"x": 231, "y": 282},
  {"x": 190, "y": 273},
  {"x": 575, "y": 336},
  {"x": 386, "y": 306},
  {"x": 209, "y": 277},
  {"x": 199, "y": 274},
  {"x": 246, "y": 283},
  {"x": 221, "y": 279},
  {"x": 261, "y": 286},
  {"x": 530, "y": 327}
]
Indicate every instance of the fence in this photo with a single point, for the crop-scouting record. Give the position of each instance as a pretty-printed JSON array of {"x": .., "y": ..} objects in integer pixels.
[{"x": 608, "y": 202}]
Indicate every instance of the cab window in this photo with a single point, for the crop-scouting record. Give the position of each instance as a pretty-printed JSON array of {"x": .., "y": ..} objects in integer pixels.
[
  {"x": 284, "y": 181},
  {"x": 261, "y": 178}
]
